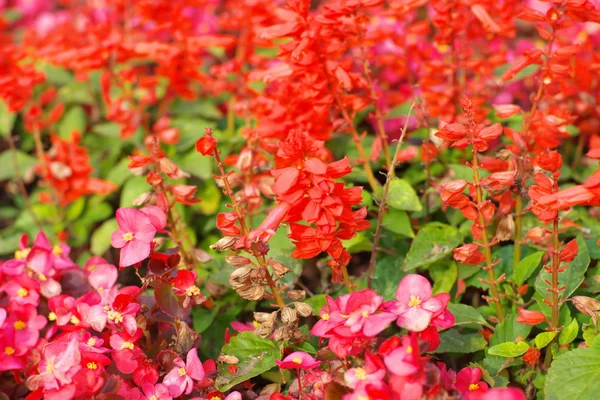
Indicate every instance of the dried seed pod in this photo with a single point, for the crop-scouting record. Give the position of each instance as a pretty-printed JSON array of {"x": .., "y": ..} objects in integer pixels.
[
  {"x": 296, "y": 295},
  {"x": 227, "y": 359},
  {"x": 503, "y": 154},
  {"x": 266, "y": 328},
  {"x": 506, "y": 228},
  {"x": 201, "y": 256},
  {"x": 225, "y": 243},
  {"x": 215, "y": 289},
  {"x": 589, "y": 306},
  {"x": 262, "y": 316},
  {"x": 303, "y": 309},
  {"x": 252, "y": 293},
  {"x": 288, "y": 316},
  {"x": 283, "y": 333},
  {"x": 237, "y": 261},
  {"x": 144, "y": 199},
  {"x": 279, "y": 268},
  {"x": 240, "y": 278}
]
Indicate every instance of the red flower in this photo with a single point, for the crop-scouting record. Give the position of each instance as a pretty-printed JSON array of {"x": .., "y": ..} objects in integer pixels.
[
  {"x": 528, "y": 317},
  {"x": 207, "y": 144}
]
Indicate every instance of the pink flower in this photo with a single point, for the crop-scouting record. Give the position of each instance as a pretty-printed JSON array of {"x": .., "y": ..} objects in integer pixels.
[
  {"x": 136, "y": 232},
  {"x": 401, "y": 360},
  {"x": 11, "y": 351},
  {"x": 27, "y": 323},
  {"x": 369, "y": 374},
  {"x": 414, "y": 306},
  {"x": 298, "y": 359},
  {"x": 507, "y": 393},
  {"x": 468, "y": 381},
  {"x": 60, "y": 362},
  {"x": 103, "y": 278},
  {"x": 156, "y": 392},
  {"x": 181, "y": 378}
]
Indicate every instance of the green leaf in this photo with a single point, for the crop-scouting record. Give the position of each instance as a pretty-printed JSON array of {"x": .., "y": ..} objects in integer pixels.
[
  {"x": 575, "y": 375},
  {"x": 74, "y": 120},
  {"x": 360, "y": 242},
  {"x": 75, "y": 209},
  {"x": 397, "y": 221},
  {"x": 571, "y": 277},
  {"x": 256, "y": 355},
  {"x": 569, "y": 334},
  {"x": 526, "y": 267},
  {"x": 24, "y": 160},
  {"x": 432, "y": 243},
  {"x": 7, "y": 119},
  {"x": 108, "y": 129},
  {"x": 202, "y": 317},
  {"x": 400, "y": 110},
  {"x": 388, "y": 273},
  {"x": 444, "y": 276},
  {"x": 466, "y": 315},
  {"x": 453, "y": 341},
  {"x": 134, "y": 186},
  {"x": 509, "y": 349},
  {"x": 543, "y": 339},
  {"x": 402, "y": 196},
  {"x": 100, "y": 241}
]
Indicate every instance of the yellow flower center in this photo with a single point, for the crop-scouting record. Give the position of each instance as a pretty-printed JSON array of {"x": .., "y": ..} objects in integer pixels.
[
  {"x": 115, "y": 316},
  {"x": 128, "y": 237},
  {"x": 415, "y": 301},
  {"x": 215, "y": 398},
  {"x": 50, "y": 366},
  {"x": 92, "y": 341},
  {"x": 362, "y": 398},
  {"x": 22, "y": 292},
  {"x": 56, "y": 250},
  {"x": 21, "y": 254},
  {"x": 42, "y": 277},
  {"x": 409, "y": 349},
  {"x": 127, "y": 345},
  {"x": 365, "y": 314},
  {"x": 360, "y": 373},
  {"x": 181, "y": 371},
  {"x": 100, "y": 290},
  {"x": 256, "y": 324},
  {"x": 75, "y": 320},
  {"x": 9, "y": 351},
  {"x": 325, "y": 317},
  {"x": 92, "y": 365},
  {"x": 18, "y": 325},
  {"x": 473, "y": 386},
  {"x": 192, "y": 291},
  {"x": 547, "y": 80},
  {"x": 297, "y": 360},
  {"x": 91, "y": 268},
  {"x": 153, "y": 397},
  {"x": 52, "y": 316}
]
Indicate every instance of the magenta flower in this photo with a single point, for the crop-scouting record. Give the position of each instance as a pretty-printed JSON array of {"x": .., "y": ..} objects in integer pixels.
[
  {"x": 2, "y": 316},
  {"x": 181, "y": 378},
  {"x": 414, "y": 306},
  {"x": 103, "y": 278},
  {"x": 507, "y": 393},
  {"x": 156, "y": 392},
  {"x": 136, "y": 232},
  {"x": 27, "y": 324},
  {"x": 11, "y": 351},
  {"x": 298, "y": 359},
  {"x": 468, "y": 381}
]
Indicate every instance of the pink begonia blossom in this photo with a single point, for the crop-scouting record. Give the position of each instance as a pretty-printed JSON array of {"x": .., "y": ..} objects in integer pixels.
[
  {"x": 103, "y": 278},
  {"x": 60, "y": 362},
  {"x": 369, "y": 374},
  {"x": 401, "y": 361},
  {"x": 468, "y": 382},
  {"x": 156, "y": 392},
  {"x": 298, "y": 359},
  {"x": 507, "y": 393},
  {"x": 27, "y": 323},
  {"x": 181, "y": 378},
  {"x": 2, "y": 316},
  {"x": 136, "y": 233},
  {"x": 22, "y": 290},
  {"x": 11, "y": 352},
  {"x": 415, "y": 307}
]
